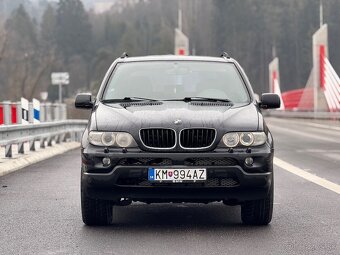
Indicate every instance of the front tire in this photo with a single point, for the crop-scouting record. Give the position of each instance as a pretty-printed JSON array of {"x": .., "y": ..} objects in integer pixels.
[
  {"x": 95, "y": 212},
  {"x": 258, "y": 212}
]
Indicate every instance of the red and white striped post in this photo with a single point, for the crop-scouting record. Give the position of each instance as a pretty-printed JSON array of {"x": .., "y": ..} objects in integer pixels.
[
  {"x": 320, "y": 52},
  {"x": 1, "y": 114}
]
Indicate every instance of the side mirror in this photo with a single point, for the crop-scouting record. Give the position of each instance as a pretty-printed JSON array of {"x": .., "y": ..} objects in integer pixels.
[
  {"x": 270, "y": 101},
  {"x": 84, "y": 100}
]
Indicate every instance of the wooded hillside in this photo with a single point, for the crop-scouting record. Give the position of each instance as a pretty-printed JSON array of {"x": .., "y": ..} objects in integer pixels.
[{"x": 85, "y": 44}]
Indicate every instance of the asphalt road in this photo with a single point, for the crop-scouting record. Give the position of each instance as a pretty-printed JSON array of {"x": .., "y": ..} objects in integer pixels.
[{"x": 40, "y": 209}]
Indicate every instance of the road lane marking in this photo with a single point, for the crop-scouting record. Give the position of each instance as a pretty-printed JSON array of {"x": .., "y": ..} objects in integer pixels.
[{"x": 308, "y": 176}]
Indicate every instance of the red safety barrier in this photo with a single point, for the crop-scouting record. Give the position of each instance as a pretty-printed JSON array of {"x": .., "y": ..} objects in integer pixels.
[
  {"x": 14, "y": 113},
  {"x": 1, "y": 115},
  {"x": 299, "y": 99}
]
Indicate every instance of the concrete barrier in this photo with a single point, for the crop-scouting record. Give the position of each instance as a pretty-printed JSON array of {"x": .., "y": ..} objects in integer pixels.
[{"x": 302, "y": 115}]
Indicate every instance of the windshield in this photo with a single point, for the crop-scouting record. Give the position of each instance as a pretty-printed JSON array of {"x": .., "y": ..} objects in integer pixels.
[{"x": 172, "y": 80}]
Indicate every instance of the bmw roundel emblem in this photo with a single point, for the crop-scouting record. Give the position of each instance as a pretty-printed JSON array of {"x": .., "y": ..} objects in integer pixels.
[{"x": 178, "y": 122}]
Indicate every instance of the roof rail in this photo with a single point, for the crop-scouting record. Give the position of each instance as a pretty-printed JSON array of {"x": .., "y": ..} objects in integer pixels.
[
  {"x": 225, "y": 55},
  {"x": 124, "y": 55}
]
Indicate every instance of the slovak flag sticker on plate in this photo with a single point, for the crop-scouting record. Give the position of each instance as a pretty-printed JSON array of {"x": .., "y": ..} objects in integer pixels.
[{"x": 151, "y": 174}]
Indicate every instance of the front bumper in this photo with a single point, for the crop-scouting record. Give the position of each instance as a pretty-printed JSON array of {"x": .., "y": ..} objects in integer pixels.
[{"x": 228, "y": 178}]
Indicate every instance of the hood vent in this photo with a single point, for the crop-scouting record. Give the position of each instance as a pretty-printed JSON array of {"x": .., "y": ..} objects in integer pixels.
[
  {"x": 211, "y": 103},
  {"x": 147, "y": 103}
]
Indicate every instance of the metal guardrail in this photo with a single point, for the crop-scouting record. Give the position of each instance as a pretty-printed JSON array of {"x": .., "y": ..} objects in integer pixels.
[
  {"x": 303, "y": 115},
  {"x": 45, "y": 133}
]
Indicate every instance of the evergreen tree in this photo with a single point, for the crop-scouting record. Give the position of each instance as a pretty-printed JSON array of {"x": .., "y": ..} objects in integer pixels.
[
  {"x": 74, "y": 35},
  {"x": 21, "y": 52},
  {"x": 22, "y": 30},
  {"x": 48, "y": 29}
]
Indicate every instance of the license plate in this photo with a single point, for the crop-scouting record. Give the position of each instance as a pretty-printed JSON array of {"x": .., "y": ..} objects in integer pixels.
[{"x": 177, "y": 175}]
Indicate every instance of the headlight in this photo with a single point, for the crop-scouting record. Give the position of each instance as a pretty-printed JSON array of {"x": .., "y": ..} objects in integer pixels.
[
  {"x": 112, "y": 139},
  {"x": 259, "y": 138},
  {"x": 246, "y": 139},
  {"x": 234, "y": 139},
  {"x": 124, "y": 140},
  {"x": 231, "y": 139},
  {"x": 108, "y": 138},
  {"x": 95, "y": 138}
]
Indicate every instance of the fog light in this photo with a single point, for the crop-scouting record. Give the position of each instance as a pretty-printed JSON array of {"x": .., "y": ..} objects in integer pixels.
[
  {"x": 106, "y": 161},
  {"x": 249, "y": 161}
]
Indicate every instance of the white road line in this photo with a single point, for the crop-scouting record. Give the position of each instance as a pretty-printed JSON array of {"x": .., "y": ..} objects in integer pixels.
[{"x": 308, "y": 176}]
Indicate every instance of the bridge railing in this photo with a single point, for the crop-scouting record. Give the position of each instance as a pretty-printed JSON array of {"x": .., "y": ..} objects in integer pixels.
[{"x": 41, "y": 134}]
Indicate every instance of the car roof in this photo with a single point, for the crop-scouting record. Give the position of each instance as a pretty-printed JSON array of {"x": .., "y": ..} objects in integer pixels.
[{"x": 175, "y": 58}]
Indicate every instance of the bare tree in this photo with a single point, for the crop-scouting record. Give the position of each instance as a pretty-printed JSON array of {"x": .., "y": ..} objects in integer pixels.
[
  {"x": 47, "y": 62},
  {"x": 3, "y": 42}
]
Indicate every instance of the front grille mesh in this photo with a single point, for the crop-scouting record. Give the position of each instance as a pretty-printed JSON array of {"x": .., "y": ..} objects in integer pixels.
[
  {"x": 145, "y": 162},
  {"x": 210, "y": 162},
  {"x": 197, "y": 137},
  {"x": 158, "y": 137},
  {"x": 210, "y": 182},
  {"x": 186, "y": 162}
]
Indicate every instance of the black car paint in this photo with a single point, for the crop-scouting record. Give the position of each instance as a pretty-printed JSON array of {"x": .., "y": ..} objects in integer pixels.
[{"x": 101, "y": 181}]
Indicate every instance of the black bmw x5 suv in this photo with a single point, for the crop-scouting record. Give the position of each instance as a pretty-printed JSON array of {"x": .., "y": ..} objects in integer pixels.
[{"x": 176, "y": 129}]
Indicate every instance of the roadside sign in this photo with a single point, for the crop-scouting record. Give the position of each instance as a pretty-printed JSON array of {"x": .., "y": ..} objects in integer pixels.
[
  {"x": 36, "y": 111},
  {"x": 60, "y": 78}
]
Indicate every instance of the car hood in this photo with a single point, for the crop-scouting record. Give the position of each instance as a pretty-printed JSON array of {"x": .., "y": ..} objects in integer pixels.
[{"x": 133, "y": 117}]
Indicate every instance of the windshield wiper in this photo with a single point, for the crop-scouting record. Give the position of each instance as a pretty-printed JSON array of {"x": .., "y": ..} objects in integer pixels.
[
  {"x": 139, "y": 99},
  {"x": 189, "y": 99},
  {"x": 128, "y": 99}
]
